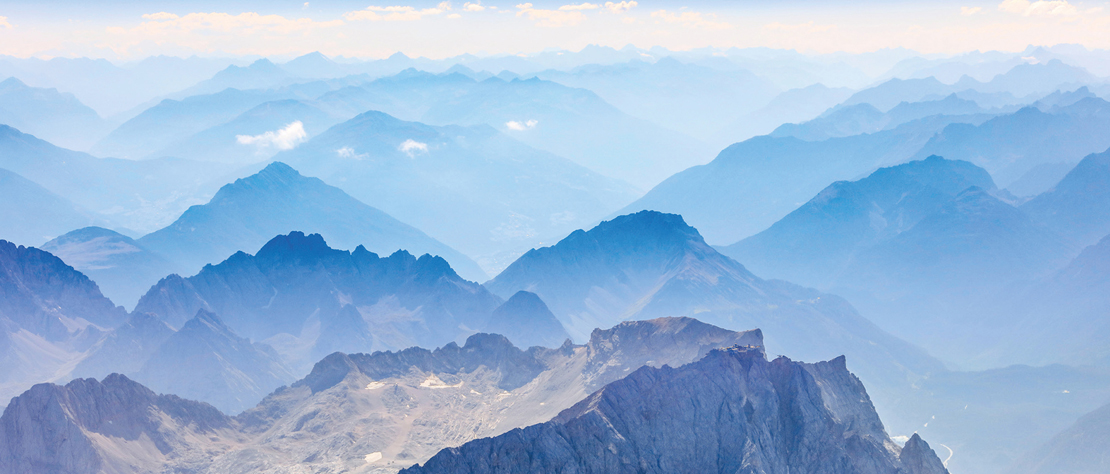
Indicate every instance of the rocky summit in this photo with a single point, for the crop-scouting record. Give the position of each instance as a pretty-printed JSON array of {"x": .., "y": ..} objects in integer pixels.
[{"x": 732, "y": 411}]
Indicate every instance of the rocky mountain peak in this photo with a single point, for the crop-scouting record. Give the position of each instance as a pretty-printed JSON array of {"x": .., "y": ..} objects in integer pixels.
[{"x": 732, "y": 411}]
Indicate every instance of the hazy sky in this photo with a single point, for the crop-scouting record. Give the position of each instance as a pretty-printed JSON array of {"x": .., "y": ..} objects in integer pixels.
[{"x": 135, "y": 29}]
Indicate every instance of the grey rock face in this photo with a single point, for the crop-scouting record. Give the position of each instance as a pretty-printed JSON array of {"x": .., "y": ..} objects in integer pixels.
[
  {"x": 732, "y": 411},
  {"x": 41, "y": 293},
  {"x": 405, "y": 406},
  {"x": 114, "y": 426}
]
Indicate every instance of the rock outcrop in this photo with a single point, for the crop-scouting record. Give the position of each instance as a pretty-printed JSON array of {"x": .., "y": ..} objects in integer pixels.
[
  {"x": 733, "y": 411},
  {"x": 113, "y": 426}
]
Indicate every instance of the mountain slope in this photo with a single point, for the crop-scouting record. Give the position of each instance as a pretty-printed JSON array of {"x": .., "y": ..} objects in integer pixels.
[
  {"x": 205, "y": 360},
  {"x": 32, "y": 214},
  {"x": 113, "y": 426},
  {"x": 245, "y": 214},
  {"x": 1009, "y": 146},
  {"x": 526, "y": 320},
  {"x": 139, "y": 195},
  {"x": 296, "y": 285},
  {"x": 1077, "y": 450},
  {"x": 649, "y": 264},
  {"x": 752, "y": 184},
  {"x": 1079, "y": 205},
  {"x": 121, "y": 267},
  {"x": 811, "y": 245},
  {"x": 407, "y": 405},
  {"x": 54, "y": 116},
  {"x": 732, "y": 411},
  {"x": 473, "y": 188}
]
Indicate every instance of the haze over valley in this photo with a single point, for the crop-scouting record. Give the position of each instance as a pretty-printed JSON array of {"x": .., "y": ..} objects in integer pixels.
[{"x": 618, "y": 237}]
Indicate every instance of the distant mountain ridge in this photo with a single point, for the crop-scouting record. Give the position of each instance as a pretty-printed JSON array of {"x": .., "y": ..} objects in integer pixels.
[
  {"x": 295, "y": 285},
  {"x": 244, "y": 215}
]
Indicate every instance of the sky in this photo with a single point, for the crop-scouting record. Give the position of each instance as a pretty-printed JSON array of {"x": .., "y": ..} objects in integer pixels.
[{"x": 129, "y": 30}]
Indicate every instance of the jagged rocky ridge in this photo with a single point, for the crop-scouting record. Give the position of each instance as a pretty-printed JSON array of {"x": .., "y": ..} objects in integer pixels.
[
  {"x": 732, "y": 411},
  {"x": 296, "y": 286},
  {"x": 373, "y": 412},
  {"x": 113, "y": 426}
]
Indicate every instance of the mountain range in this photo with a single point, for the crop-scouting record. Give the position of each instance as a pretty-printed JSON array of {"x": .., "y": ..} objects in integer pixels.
[
  {"x": 296, "y": 288},
  {"x": 918, "y": 247},
  {"x": 55, "y": 116},
  {"x": 651, "y": 264},
  {"x": 244, "y": 215},
  {"x": 473, "y": 188},
  {"x": 33, "y": 214}
]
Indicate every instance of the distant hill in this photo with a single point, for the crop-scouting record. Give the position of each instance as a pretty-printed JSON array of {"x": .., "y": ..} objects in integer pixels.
[
  {"x": 1076, "y": 450},
  {"x": 1010, "y": 146},
  {"x": 138, "y": 195},
  {"x": 204, "y": 360},
  {"x": 812, "y": 245},
  {"x": 52, "y": 115},
  {"x": 33, "y": 215},
  {"x": 122, "y": 268},
  {"x": 244, "y": 215},
  {"x": 1079, "y": 205}
]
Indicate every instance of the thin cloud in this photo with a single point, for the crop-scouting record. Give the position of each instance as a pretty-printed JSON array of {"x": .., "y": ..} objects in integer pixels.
[
  {"x": 473, "y": 7},
  {"x": 349, "y": 153},
  {"x": 968, "y": 11},
  {"x": 1038, "y": 8},
  {"x": 394, "y": 13},
  {"x": 550, "y": 18},
  {"x": 412, "y": 147},
  {"x": 620, "y": 7},
  {"x": 4, "y": 22},
  {"x": 579, "y": 7},
  {"x": 691, "y": 20},
  {"x": 286, "y": 138},
  {"x": 521, "y": 126}
]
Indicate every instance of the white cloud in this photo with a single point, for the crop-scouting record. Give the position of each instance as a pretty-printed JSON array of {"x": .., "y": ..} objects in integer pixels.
[
  {"x": 4, "y": 22},
  {"x": 620, "y": 7},
  {"x": 1038, "y": 8},
  {"x": 473, "y": 7},
  {"x": 286, "y": 138},
  {"x": 521, "y": 126},
  {"x": 968, "y": 11},
  {"x": 349, "y": 153},
  {"x": 412, "y": 147},
  {"x": 454, "y": 16},
  {"x": 550, "y": 18},
  {"x": 395, "y": 13},
  {"x": 305, "y": 7},
  {"x": 579, "y": 7},
  {"x": 691, "y": 20}
]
